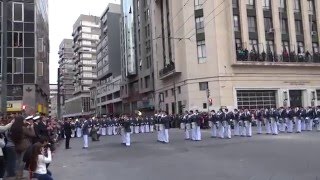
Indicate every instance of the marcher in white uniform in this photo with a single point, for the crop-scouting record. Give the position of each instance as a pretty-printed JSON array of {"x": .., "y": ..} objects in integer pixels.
[
  {"x": 248, "y": 122},
  {"x": 242, "y": 125},
  {"x": 228, "y": 121},
  {"x": 290, "y": 120},
  {"x": 259, "y": 118},
  {"x": 151, "y": 121},
  {"x": 166, "y": 126},
  {"x": 297, "y": 116},
  {"x": 309, "y": 118},
  {"x": 317, "y": 118},
  {"x": 126, "y": 130},
  {"x": 78, "y": 128},
  {"x": 198, "y": 121},
  {"x": 213, "y": 124},
  {"x": 236, "y": 123},
  {"x": 85, "y": 132},
  {"x": 267, "y": 119},
  {"x": 222, "y": 121},
  {"x": 185, "y": 125},
  {"x": 274, "y": 121}
]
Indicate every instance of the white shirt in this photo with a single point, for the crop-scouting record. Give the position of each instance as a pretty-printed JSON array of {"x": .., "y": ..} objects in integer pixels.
[{"x": 42, "y": 161}]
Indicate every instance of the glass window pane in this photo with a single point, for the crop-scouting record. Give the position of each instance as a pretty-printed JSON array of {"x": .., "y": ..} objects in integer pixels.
[
  {"x": 29, "y": 40},
  {"x": 18, "y": 12},
  {"x": 28, "y": 12},
  {"x": 28, "y": 65}
]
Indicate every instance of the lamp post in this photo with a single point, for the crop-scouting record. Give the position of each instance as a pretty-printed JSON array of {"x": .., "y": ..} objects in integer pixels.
[{"x": 4, "y": 58}]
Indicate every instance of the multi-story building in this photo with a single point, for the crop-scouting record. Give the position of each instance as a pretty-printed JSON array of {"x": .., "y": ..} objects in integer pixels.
[
  {"x": 66, "y": 73},
  {"x": 137, "y": 89},
  {"x": 86, "y": 32},
  {"x": 109, "y": 62},
  {"x": 53, "y": 103},
  {"x": 26, "y": 53},
  {"x": 239, "y": 54}
]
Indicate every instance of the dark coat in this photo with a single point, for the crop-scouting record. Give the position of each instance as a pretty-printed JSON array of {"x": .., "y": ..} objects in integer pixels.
[{"x": 67, "y": 129}]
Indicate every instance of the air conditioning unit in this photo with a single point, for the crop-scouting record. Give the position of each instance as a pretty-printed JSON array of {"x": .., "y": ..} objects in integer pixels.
[{"x": 313, "y": 33}]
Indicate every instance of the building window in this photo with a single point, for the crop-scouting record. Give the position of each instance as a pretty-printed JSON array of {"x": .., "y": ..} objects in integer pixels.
[
  {"x": 236, "y": 23},
  {"x": 299, "y": 28},
  {"x": 250, "y": 4},
  {"x": 40, "y": 69},
  {"x": 147, "y": 81},
  {"x": 313, "y": 28},
  {"x": 256, "y": 99},
  {"x": 18, "y": 39},
  {"x": 315, "y": 47},
  {"x": 297, "y": 6},
  {"x": 197, "y": 4},
  {"x": 172, "y": 91},
  {"x": 17, "y": 65},
  {"x": 179, "y": 89},
  {"x": 318, "y": 95},
  {"x": 167, "y": 108},
  {"x": 252, "y": 24},
  {"x": 268, "y": 24},
  {"x": 17, "y": 12},
  {"x": 285, "y": 46},
  {"x": 204, "y": 105},
  {"x": 266, "y": 4},
  {"x": 203, "y": 86},
  {"x": 311, "y": 6},
  {"x": 199, "y": 24},
  {"x": 284, "y": 26},
  {"x": 254, "y": 45},
  {"x": 283, "y": 4},
  {"x": 202, "y": 53},
  {"x": 238, "y": 44},
  {"x": 270, "y": 46},
  {"x": 235, "y": 4},
  {"x": 40, "y": 45},
  {"x": 300, "y": 47},
  {"x": 166, "y": 93}
]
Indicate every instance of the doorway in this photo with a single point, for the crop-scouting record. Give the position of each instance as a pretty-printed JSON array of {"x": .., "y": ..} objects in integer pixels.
[{"x": 295, "y": 98}]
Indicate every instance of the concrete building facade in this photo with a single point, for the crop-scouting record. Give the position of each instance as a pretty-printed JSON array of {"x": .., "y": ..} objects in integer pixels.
[
  {"x": 53, "y": 103},
  {"x": 66, "y": 73},
  {"x": 27, "y": 50},
  {"x": 86, "y": 32},
  {"x": 109, "y": 62},
  {"x": 137, "y": 89},
  {"x": 234, "y": 53}
]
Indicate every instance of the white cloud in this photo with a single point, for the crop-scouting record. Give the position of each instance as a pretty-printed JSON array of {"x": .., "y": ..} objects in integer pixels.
[{"x": 62, "y": 15}]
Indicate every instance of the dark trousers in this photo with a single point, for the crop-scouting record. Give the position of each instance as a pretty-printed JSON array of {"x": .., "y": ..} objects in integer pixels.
[
  {"x": 67, "y": 142},
  {"x": 43, "y": 176},
  {"x": 10, "y": 161},
  {"x": 2, "y": 166}
]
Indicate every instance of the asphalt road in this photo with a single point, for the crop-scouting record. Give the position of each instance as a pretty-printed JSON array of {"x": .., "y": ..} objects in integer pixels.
[{"x": 261, "y": 157}]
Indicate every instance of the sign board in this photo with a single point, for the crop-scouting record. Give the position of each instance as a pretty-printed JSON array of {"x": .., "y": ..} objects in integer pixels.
[{"x": 14, "y": 106}]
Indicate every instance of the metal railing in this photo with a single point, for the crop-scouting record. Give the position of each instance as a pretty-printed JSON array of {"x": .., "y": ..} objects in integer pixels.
[
  {"x": 245, "y": 56},
  {"x": 167, "y": 69}
]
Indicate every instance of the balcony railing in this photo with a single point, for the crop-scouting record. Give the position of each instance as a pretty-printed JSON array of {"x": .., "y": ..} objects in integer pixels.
[
  {"x": 169, "y": 68},
  {"x": 292, "y": 57}
]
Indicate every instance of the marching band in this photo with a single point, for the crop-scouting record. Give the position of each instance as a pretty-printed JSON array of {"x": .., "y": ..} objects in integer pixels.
[{"x": 223, "y": 124}]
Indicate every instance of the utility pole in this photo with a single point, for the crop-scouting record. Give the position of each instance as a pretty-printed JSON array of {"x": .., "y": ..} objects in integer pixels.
[
  {"x": 59, "y": 97},
  {"x": 208, "y": 102},
  {"x": 4, "y": 58}
]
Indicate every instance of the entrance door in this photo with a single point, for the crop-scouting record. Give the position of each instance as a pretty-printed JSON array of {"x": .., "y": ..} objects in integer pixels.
[{"x": 295, "y": 98}]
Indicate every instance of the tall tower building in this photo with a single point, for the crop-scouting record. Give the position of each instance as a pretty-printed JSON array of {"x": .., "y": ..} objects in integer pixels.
[
  {"x": 26, "y": 53},
  {"x": 86, "y": 32},
  {"x": 137, "y": 89},
  {"x": 109, "y": 62},
  {"x": 66, "y": 65}
]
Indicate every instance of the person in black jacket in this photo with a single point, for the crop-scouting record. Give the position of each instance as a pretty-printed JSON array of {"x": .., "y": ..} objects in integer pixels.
[
  {"x": 166, "y": 123},
  {"x": 40, "y": 129},
  {"x": 67, "y": 132},
  {"x": 127, "y": 130}
]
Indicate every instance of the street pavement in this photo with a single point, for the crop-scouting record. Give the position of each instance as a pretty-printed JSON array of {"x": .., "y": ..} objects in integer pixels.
[{"x": 261, "y": 157}]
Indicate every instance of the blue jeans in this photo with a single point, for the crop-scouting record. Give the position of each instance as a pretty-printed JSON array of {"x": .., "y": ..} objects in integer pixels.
[
  {"x": 43, "y": 176},
  {"x": 10, "y": 160}
]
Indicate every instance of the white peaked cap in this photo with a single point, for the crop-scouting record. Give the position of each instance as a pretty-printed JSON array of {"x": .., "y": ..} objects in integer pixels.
[
  {"x": 36, "y": 117},
  {"x": 29, "y": 117}
]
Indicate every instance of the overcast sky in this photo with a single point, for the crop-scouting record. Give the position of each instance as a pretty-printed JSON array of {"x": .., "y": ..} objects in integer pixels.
[{"x": 62, "y": 15}]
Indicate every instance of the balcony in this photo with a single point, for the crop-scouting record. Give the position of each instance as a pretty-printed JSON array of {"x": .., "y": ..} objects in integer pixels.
[
  {"x": 167, "y": 71},
  {"x": 284, "y": 59}
]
